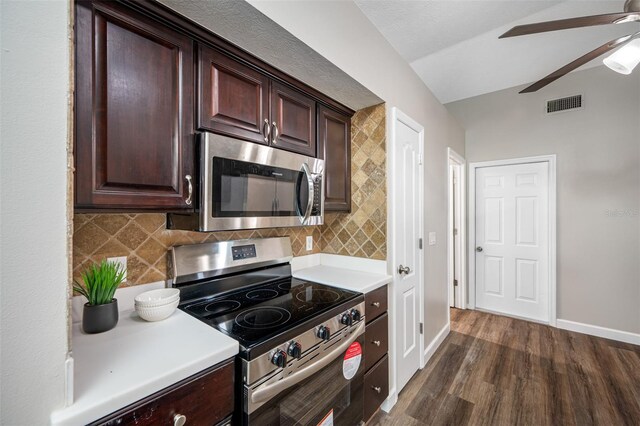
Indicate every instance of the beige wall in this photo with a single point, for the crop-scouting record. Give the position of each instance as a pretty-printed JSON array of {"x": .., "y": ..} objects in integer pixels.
[
  {"x": 35, "y": 88},
  {"x": 340, "y": 32},
  {"x": 598, "y": 183}
]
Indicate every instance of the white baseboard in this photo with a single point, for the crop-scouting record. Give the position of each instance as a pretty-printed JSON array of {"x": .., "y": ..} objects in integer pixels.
[
  {"x": 435, "y": 343},
  {"x": 595, "y": 330},
  {"x": 391, "y": 400}
]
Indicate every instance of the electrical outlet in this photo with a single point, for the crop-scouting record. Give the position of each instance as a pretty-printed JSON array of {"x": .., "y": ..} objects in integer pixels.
[
  {"x": 432, "y": 238},
  {"x": 122, "y": 260},
  {"x": 309, "y": 242}
]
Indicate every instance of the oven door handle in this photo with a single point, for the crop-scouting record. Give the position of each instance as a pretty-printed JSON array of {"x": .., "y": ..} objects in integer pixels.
[
  {"x": 307, "y": 213},
  {"x": 272, "y": 390}
]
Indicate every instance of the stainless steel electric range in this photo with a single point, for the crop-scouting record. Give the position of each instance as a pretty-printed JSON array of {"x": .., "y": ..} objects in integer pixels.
[{"x": 301, "y": 359}]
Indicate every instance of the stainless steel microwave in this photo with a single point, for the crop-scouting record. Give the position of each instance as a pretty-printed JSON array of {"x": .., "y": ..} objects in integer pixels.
[{"x": 243, "y": 185}]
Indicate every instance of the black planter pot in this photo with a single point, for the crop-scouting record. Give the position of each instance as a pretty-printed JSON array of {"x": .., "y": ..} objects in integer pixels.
[{"x": 99, "y": 318}]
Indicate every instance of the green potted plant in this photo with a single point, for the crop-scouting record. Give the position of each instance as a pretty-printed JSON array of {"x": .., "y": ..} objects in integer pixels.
[{"x": 100, "y": 313}]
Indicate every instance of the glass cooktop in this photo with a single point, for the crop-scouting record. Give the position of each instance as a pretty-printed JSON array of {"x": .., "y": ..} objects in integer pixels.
[{"x": 259, "y": 313}]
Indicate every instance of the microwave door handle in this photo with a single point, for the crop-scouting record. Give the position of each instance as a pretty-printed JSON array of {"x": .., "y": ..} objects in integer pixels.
[
  {"x": 269, "y": 391},
  {"x": 307, "y": 213}
]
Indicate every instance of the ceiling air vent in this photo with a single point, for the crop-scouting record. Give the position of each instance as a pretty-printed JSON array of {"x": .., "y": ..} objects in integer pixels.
[{"x": 564, "y": 104}]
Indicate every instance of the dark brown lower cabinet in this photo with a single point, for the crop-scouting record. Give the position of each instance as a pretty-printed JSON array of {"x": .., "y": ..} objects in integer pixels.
[
  {"x": 376, "y": 387},
  {"x": 206, "y": 398},
  {"x": 334, "y": 147},
  {"x": 376, "y": 378}
]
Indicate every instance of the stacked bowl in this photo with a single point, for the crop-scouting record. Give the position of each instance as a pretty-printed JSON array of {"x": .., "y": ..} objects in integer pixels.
[{"x": 156, "y": 305}]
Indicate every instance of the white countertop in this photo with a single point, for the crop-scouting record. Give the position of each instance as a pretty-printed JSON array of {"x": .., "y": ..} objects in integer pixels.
[
  {"x": 136, "y": 359},
  {"x": 349, "y": 279}
]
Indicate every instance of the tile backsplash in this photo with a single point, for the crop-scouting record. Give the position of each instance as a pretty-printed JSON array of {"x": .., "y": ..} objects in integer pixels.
[
  {"x": 363, "y": 232},
  {"x": 144, "y": 239}
]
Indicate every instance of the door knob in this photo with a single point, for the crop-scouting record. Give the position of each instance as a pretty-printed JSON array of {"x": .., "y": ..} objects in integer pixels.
[
  {"x": 404, "y": 270},
  {"x": 479, "y": 249}
]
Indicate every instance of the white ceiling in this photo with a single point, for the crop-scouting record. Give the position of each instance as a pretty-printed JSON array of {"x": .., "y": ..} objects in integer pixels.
[{"x": 453, "y": 45}]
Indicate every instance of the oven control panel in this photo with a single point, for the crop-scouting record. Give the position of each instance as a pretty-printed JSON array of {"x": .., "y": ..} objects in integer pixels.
[{"x": 243, "y": 252}]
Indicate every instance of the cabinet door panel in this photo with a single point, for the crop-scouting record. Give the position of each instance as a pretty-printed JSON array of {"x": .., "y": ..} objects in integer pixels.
[
  {"x": 134, "y": 132},
  {"x": 233, "y": 98},
  {"x": 294, "y": 114},
  {"x": 376, "y": 387},
  {"x": 206, "y": 398},
  {"x": 334, "y": 139}
]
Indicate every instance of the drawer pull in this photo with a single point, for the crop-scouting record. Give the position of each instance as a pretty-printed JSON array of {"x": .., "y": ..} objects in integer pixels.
[
  {"x": 375, "y": 304},
  {"x": 376, "y": 342},
  {"x": 378, "y": 389},
  {"x": 181, "y": 419}
]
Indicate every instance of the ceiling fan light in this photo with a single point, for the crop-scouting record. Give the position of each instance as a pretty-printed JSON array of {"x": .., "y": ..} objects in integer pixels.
[{"x": 625, "y": 59}]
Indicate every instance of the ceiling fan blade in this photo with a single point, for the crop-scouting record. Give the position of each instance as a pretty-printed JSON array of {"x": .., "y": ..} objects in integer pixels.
[
  {"x": 565, "y": 24},
  {"x": 578, "y": 62}
]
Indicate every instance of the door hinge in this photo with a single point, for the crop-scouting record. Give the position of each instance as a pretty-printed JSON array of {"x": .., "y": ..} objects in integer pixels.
[
  {"x": 421, "y": 328},
  {"x": 420, "y": 158},
  {"x": 420, "y": 243},
  {"x": 455, "y": 232},
  {"x": 455, "y": 283}
]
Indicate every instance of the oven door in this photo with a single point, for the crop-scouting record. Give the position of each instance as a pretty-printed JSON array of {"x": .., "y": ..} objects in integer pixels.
[
  {"x": 250, "y": 186},
  {"x": 332, "y": 395}
]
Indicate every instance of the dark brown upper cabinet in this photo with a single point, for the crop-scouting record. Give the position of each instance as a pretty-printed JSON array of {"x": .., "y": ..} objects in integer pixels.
[
  {"x": 233, "y": 98},
  {"x": 134, "y": 122},
  {"x": 293, "y": 120},
  {"x": 334, "y": 147},
  {"x": 237, "y": 100}
]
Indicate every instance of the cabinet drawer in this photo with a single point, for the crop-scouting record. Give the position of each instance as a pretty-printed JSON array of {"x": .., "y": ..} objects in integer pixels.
[
  {"x": 204, "y": 399},
  {"x": 375, "y": 303},
  {"x": 376, "y": 387},
  {"x": 376, "y": 344}
]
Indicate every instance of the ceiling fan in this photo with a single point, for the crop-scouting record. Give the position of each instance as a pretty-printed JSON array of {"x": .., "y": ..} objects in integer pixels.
[{"x": 622, "y": 61}]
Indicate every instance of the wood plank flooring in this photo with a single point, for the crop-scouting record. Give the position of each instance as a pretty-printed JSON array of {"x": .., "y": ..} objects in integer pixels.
[{"x": 495, "y": 370}]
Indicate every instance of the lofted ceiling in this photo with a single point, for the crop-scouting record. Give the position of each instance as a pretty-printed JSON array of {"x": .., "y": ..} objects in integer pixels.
[{"x": 453, "y": 45}]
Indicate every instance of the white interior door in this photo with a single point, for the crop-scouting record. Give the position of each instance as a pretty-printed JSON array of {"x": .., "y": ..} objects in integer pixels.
[
  {"x": 407, "y": 195},
  {"x": 512, "y": 240}
]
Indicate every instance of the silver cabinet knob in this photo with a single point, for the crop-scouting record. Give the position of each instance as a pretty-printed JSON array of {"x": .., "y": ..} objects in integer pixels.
[
  {"x": 479, "y": 249},
  {"x": 376, "y": 388},
  {"x": 179, "y": 420},
  {"x": 375, "y": 304},
  {"x": 376, "y": 342},
  {"x": 404, "y": 270},
  {"x": 189, "y": 199}
]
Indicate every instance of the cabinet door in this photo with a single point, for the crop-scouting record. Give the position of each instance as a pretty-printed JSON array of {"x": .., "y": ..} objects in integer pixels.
[
  {"x": 133, "y": 107},
  {"x": 207, "y": 398},
  {"x": 334, "y": 139},
  {"x": 233, "y": 98},
  {"x": 293, "y": 117}
]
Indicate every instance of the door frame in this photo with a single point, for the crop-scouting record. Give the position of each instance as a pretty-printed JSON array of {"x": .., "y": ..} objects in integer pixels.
[
  {"x": 551, "y": 160},
  {"x": 456, "y": 160},
  {"x": 392, "y": 119}
]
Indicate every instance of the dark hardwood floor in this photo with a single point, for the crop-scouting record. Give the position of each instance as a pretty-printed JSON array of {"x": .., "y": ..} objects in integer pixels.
[{"x": 494, "y": 370}]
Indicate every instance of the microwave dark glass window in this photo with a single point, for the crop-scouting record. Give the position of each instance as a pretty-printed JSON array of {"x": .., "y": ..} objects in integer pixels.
[{"x": 242, "y": 189}]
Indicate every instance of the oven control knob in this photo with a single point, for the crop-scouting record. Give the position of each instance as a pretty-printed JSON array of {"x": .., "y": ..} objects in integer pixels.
[
  {"x": 323, "y": 332},
  {"x": 279, "y": 358},
  {"x": 295, "y": 350},
  {"x": 355, "y": 315},
  {"x": 346, "y": 319}
]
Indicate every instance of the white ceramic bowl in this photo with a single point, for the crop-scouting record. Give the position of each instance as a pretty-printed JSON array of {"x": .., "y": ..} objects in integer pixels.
[
  {"x": 159, "y": 297},
  {"x": 157, "y": 313}
]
